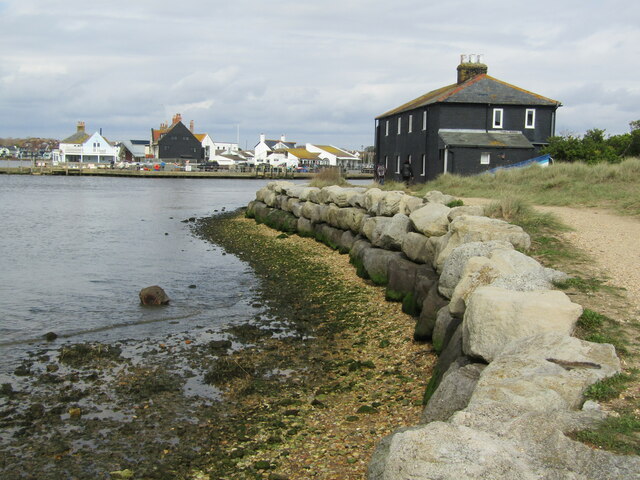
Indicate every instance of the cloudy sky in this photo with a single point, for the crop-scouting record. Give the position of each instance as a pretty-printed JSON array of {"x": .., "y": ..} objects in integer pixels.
[{"x": 316, "y": 71}]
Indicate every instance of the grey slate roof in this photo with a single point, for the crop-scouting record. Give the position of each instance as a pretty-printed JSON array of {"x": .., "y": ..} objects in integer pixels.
[
  {"x": 482, "y": 89},
  {"x": 491, "y": 139}
]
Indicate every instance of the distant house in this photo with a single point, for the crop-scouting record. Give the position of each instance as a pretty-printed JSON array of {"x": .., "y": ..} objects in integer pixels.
[
  {"x": 134, "y": 150},
  {"x": 85, "y": 148},
  {"x": 208, "y": 145},
  {"x": 266, "y": 147},
  {"x": 175, "y": 142},
  {"x": 473, "y": 125},
  {"x": 336, "y": 157},
  {"x": 304, "y": 158}
]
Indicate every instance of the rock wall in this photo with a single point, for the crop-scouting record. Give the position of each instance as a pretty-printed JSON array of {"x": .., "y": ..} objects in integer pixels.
[{"x": 509, "y": 379}]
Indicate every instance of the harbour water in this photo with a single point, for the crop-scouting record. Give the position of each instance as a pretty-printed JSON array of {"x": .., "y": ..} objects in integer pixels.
[{"x": 75, "y": 251}]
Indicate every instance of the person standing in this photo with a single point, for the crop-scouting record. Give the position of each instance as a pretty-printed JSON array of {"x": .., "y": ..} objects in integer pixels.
[
  {"x": 407, "y": 173},
  {"x": 380, "y": 173}
]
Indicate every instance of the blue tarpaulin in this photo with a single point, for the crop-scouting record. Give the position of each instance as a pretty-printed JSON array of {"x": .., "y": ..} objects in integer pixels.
[{"x": 543, "y": 161}]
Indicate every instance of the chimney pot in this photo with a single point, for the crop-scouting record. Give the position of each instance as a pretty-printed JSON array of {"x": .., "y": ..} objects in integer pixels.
[
  {"x": 282, "y": 138},
  {"x": 470, "y": 69},
  {"x": 191, "y": 126},
  {"x": 80, "y": 126},
  {"x": 262, "y": 138}
]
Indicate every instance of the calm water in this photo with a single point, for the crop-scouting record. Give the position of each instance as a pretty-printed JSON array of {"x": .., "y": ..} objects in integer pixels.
[{"x": 75, "y": 252}]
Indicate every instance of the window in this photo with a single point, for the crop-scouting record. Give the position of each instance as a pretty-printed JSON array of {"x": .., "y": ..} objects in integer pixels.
[
  {"x": 410, "y": 123},
  {"x": 386, "y": 131},
  {"x": 386, "y": 160},
  {"x": 497, "y": 118},
  {"x": 399, "y": 125},
  {"x": 398, "y": 164},
  {"x": 485, "y": 158},
  {"x": 424, "y": 164},
  {"x": 530, "y": 118},
  {"x": 424, "y": 120}
]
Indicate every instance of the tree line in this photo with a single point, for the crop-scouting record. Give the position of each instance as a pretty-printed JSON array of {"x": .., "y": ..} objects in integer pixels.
[{"x": 595, "y": 146}]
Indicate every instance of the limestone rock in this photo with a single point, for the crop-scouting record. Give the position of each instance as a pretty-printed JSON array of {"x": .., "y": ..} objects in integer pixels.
[
  {"x": 479, "y": 272},
  {"x": 453, "y": 393},
  {"x": 393, "y": 233},
  {"x": 418, "y": 248},
  {"x": 495, "y": 317},
  {"x": 431, "y": 219},
  {"x": 389, "y": 204},
  {"x": 305, "y": 227},
  {"x": 153, "y": 295},
  {"x": 371, "y": 199},
  {"x": 468, "y": 228},
  {"x": 476, "y": 210},
  {"x": 427, "y": 320},
  {"x": 409, "y": 203},
  {"x": 434, "y": 196},
  {"x": 306, "y": 193},
  {"x": 455, "y": 263},
  {"x": 545, "y": 372},
  {"x": 375, "y": 262}
]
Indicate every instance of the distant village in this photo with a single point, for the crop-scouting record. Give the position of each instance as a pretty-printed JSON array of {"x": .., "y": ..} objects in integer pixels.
[
  {"x": 476, "y": 124},
  {"x": 176, "y": 146}
]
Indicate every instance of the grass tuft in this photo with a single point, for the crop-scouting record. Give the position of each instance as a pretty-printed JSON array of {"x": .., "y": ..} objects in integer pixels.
[{"x": 327, "y": 177}]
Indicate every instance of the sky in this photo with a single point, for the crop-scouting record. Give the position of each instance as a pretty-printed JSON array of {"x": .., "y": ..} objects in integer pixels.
[{"x": 317, "y": 72}]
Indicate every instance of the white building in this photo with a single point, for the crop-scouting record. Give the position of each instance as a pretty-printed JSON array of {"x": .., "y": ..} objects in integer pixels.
[
  {"x": 84, "y": 148},
  {"x": 266, "y": 147},
  {"x": 336, "y": 157}
]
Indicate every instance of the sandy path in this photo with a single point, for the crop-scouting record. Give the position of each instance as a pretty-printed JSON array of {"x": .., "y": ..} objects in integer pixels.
[{"x": 613, "y": 241}]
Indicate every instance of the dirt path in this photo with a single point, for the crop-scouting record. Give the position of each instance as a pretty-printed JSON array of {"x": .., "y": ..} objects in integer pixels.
[{"x": 611, "y": 240}]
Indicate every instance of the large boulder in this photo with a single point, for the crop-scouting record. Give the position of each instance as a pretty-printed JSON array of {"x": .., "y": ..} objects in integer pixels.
[
  {"x": 306, "y": 193},
  {"x": 455, "y": 263},
  {"x": 453, "y": 393},
  {"x": 375, "y": 262},
  {"x": 393, "y": 233},
  {"x": 153, "y": 295},
  {"x": 328, "y": 235},
  {"x": 432, "y": 303},
  {"x": 339, "y": 195},
  {"x": 418, "y": 248},
  {"x": 280, "y": 186},
  {"x": 469, "y": 228},
  {"x": 479, "y": 272},
  {"x": 389, "y": 204},
  {"x": 545, "y": 372},
  {"x": 350, "y": 218},
  {"x": 434, "y": 196},
  {"x": 305, "y": 227},
  {"x": 431, "y": 219},
  {"x": 409, "y": 203},
  {"x": 495, "y": 317},
  {"x": 476, "y": 210},
  {"x": 372, "y": 227},
  {"x": 371, "y": 199},
  {"x": 312, "y": 211}
]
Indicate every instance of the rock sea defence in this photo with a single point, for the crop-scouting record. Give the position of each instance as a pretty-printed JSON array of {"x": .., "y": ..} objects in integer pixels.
[{"x": 509, "y": 381}]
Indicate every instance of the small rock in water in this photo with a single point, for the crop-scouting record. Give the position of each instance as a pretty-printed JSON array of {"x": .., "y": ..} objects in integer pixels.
[
  {"x": 166, "y": 233},
  {"x": 154, "y": 295},
  {"x": 193, "y": 286},
  {"x": 50, "y": 336}
]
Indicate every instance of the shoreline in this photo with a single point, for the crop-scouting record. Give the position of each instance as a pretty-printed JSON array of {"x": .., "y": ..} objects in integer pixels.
[{"x": 318, "y": 383}]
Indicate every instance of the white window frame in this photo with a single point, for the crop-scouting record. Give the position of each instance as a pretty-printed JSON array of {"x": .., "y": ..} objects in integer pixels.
[
  {"x": 531, "y": 124},
  {"x": 386, "y": 132},
  {"x": 485, "y": 158},
  {"x": 424, "y": 164},
  {"x": 424, "y": 120},
  {"x": 498, "y": 118},
  {"x": 410, "y": 123},
  {"x": 397, "y": 163},
  {"x": 399, "y": 125},
  {"x": 386, "y": 162}
]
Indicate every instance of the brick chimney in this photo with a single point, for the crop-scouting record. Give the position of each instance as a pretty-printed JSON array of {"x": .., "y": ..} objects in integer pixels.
[
  {"x": 191, "y": 126},
  {"x": 176, "y": 118},
  {"x": 470, "y": 66},
  {"x": 80, "y": 127}
]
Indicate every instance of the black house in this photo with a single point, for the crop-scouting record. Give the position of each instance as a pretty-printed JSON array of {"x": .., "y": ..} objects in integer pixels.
[
  {"x": 175, "y": 142},
  {"x": 474, "y": 125}
]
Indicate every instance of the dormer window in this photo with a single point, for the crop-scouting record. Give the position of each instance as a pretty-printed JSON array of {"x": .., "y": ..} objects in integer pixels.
[
  {"x": 497, "y": 117},
  {"x": 530, "y": 118},
  {"x": 399, "y": 125}
]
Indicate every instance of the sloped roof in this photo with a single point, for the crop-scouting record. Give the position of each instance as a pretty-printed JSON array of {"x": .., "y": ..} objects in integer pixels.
[
  {"x": 136, "y": 148},
  {"x": 303, "y": 153},
  {"x": 79, "y": 137},
  {"x": 272, "y": 143},
  {"x": 479, "y": 89},
  {"x": 491, "y": 139},
  {"x": 336, "y": 151},
  {"x": 200, "y": 136}
]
